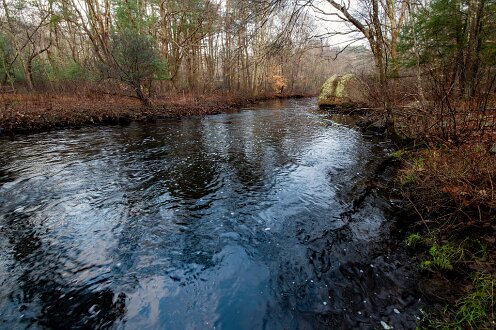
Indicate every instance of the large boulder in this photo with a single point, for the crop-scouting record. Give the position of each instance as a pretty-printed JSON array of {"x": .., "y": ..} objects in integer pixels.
[{"x": 343, "y": 91}]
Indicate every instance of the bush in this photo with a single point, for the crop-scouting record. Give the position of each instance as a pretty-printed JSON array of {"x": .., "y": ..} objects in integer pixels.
[{"x": 135, "y": 61}]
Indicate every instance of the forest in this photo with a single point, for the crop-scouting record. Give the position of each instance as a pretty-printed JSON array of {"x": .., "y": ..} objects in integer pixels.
[
  {"x": 155, "y": 47},
  {"x": 429, "y": 67},
  {"x": 229, "y": 50}
]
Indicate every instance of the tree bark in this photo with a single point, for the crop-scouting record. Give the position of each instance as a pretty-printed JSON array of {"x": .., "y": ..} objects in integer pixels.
[{"x": 142, "y": 97}]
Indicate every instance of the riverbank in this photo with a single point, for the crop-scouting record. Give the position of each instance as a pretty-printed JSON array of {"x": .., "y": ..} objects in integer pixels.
[
  {"x": 449, "y": 189},
  {"x": 452, "y": 203},
  {"x": 448, "y": 219},
  {"x": 34, "y": 112}
]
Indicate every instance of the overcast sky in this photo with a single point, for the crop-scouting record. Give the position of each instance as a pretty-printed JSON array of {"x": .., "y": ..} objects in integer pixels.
[{"x": 332, "y": 28}]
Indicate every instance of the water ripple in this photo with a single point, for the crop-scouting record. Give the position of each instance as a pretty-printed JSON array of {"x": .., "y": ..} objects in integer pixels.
[{"x": 233, "y": 220}]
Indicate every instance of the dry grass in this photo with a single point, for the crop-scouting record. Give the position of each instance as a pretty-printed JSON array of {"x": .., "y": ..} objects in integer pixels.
[
  {"x": 41, "y": 111},
  {"x": 452, "y": 192},
  {"x": 453, "y": 186},
  {"x": 430, "y": 123},
  {"x": 31, "y": 112}
]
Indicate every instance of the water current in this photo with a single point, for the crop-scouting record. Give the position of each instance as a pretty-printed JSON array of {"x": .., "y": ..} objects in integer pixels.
[{"x": 246, "y": 220}]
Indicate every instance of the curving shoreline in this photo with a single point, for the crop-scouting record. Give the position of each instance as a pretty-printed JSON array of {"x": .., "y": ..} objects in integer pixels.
[{"x": 31, "y": 113}]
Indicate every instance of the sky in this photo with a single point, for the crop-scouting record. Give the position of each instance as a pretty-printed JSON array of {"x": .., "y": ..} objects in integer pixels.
[{"x": 333, "y": 29}]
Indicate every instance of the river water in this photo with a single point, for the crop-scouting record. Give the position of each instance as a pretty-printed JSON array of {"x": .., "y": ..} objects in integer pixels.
[{"x": 234, "y": 221}]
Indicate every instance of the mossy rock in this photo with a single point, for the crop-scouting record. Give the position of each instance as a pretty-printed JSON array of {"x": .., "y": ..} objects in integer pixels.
[{"x": 345, "y": 91}]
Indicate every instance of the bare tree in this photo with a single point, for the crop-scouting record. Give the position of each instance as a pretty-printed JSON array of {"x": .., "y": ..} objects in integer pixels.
[{"x": 26, "y": 27}]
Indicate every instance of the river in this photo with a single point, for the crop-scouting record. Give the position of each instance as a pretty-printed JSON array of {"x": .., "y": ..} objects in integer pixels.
[{"x": 247, "y": 220}]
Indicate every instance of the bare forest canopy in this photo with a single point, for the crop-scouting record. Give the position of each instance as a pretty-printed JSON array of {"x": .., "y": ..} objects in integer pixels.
[
  {"x": 155, "y": 46},
  {"x": 247, "y": 46}
]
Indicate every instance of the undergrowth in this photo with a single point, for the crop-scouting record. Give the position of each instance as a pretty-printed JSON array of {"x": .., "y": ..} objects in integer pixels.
[
  {"x": 452, "y": 193},
  {"x": 472, "y": 310}
]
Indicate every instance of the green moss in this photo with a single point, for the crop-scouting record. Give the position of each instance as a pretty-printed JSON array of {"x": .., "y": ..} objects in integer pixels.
[
  {"x": 343, "y": 90},
  {"x": 328, "y": 89},
  {"x": 342, "y": 84}
]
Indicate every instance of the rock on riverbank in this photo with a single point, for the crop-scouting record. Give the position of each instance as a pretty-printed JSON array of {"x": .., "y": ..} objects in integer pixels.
[{"x": 343, "y": 91}]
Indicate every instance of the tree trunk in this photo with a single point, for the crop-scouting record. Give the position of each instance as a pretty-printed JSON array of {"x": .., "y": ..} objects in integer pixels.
[
  {"x": 29, "y": 73},
  {"x": 472, "y": 60},
  {"x": 376, "y": 43},
  {"x": 142, "y": 97}
]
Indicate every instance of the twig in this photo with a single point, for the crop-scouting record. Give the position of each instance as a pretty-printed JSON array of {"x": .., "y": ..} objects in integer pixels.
[{"x": 420, "y": 215}]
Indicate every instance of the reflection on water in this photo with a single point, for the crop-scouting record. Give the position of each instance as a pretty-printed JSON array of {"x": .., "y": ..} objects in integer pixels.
[{"x": 229, "y": 221}]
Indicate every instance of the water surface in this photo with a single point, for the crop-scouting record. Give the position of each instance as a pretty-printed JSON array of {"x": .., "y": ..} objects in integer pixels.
[{"x": 232, "y": 221}]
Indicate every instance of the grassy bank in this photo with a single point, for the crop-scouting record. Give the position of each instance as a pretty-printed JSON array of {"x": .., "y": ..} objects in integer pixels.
[
  {"x": 446, "y": 156},
  {"x": 452, "y": 197},
  {"x": 44, "y": 111}
]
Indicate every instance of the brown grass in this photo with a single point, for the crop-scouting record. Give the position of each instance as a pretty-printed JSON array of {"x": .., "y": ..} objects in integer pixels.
[
  {"x": 453, "y": 186},
  {"x": 460, "y": 124},
  {"x": 28, "y": 112}
]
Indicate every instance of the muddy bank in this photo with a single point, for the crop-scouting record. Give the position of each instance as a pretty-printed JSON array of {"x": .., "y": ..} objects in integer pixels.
[{"x": 446, "y": 204}]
